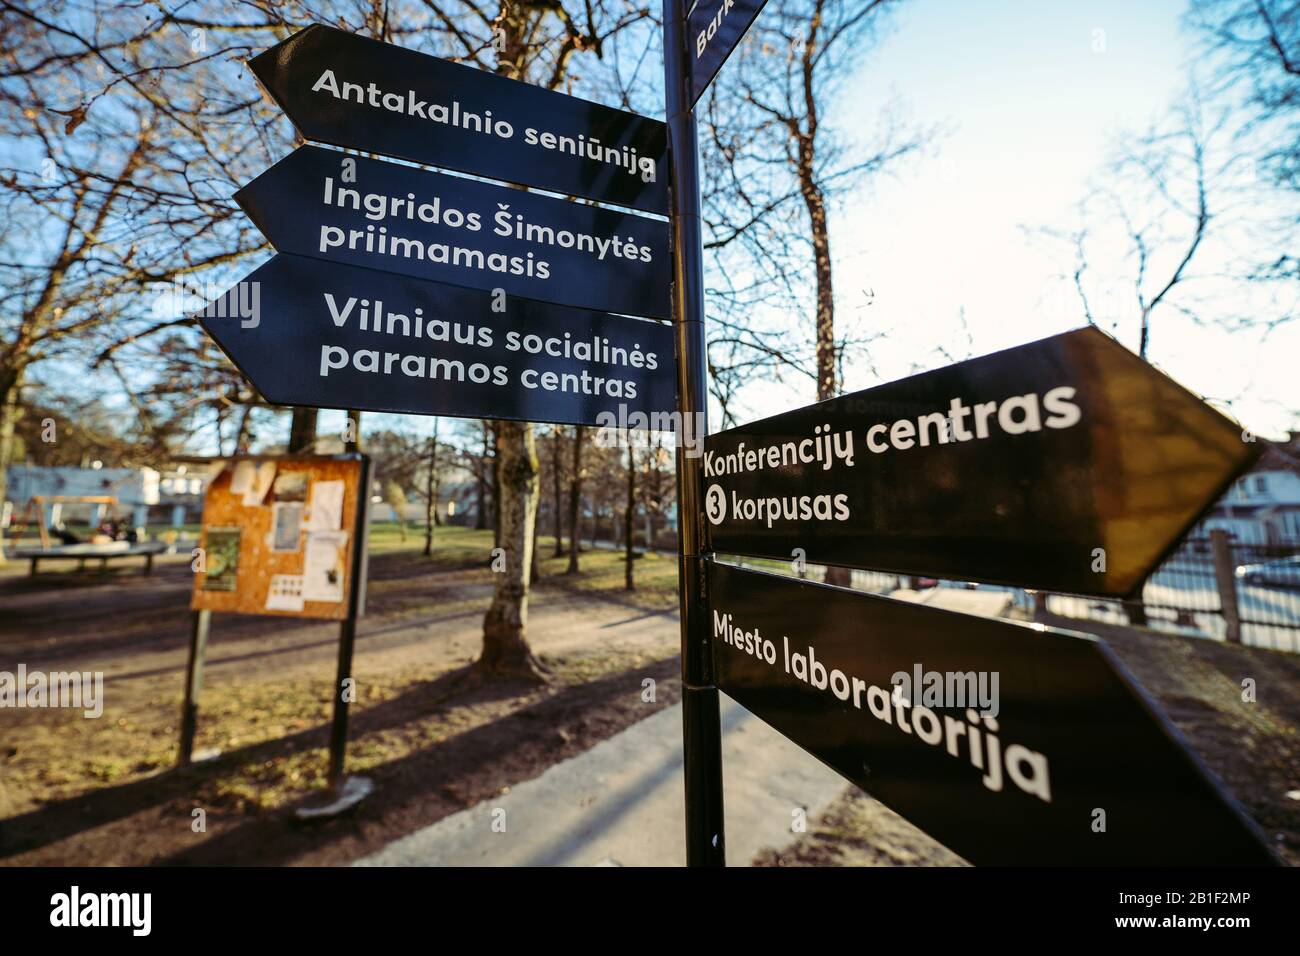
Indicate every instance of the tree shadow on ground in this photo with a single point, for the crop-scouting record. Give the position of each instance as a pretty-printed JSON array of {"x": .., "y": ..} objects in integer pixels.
[{"x": 411, "y": 792}]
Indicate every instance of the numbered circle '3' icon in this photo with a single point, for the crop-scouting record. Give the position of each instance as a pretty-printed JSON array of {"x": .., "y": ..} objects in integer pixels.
[{"x": 715, "y": 504}]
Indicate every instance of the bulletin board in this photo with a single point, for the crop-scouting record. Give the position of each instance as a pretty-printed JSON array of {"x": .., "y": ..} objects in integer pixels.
[{"x": 281, "y": 536}]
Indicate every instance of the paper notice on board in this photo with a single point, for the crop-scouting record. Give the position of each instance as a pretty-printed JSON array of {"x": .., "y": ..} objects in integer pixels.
[
  {"x": 290, "y": 486},
  {"x": 286, "y": 525},
  {"x": 326, "y": 510},
  {"x": 242, "y": 479},
  {"x": 263, "y": 478},
  {"x": 323, "y": 565},
  {"x": 285, "y": 593}
]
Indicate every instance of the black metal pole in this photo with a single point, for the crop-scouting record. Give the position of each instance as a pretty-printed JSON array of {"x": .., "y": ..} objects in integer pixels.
[
  {"x": 701, "y": 729},
  {"x": 200, "y": 622},
  {"x": 348, "y": 629}
]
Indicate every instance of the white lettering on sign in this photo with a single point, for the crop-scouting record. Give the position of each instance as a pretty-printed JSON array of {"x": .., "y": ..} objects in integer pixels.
[
  {"x": 974, "y": 738},
  {"x": 709, "y": 32},
  {"x": 605, "y": 358},
  {"x": 1016, "y": 415},
  {"x": 385, "y": 209},
  {"x": 580, "y": 145}
]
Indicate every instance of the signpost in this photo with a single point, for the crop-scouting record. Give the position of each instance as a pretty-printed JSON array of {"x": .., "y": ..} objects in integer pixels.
[
  {"x": 1020, "y": 745},
  {"x": 1068, "y": 464},
  {"x": 701, "y": 720},
  {"x": 372, "y": 302},
  {"x": 351, "y": 91},
  {"x": 367, "y": 212},
  {"x": 336, "y": 336},
  {"x": 714, "y": 29}
]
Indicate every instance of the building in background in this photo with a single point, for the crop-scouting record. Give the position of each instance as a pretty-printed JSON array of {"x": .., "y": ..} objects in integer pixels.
[
  {"x": 146, "y": 497},
  {"x": 1263, "y": 506},
  {"x": 180, "y": 496},
  {"x": 136, "y": 490}
]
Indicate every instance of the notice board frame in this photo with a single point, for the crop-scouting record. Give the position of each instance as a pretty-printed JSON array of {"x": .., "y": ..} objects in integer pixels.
[{"x": 353, "y": 605}]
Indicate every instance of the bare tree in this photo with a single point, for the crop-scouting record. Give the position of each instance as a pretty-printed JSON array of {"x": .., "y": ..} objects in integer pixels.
[
  {"x": 576, "y": 475},
  {"x": 432, "y": 485},
  {"x": 775, "y": 170},
  {"x": 122, "y": 148},
  {"x": 629, "y": 519},
  {"x": 1156, "y": 203}
]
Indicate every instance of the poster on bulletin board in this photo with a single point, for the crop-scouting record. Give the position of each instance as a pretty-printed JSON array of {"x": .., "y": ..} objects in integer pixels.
[{"x": 283, "y": 536}]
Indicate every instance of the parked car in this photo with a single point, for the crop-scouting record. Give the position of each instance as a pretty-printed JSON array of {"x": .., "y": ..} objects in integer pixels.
[{"x": 1281, "y": 573}]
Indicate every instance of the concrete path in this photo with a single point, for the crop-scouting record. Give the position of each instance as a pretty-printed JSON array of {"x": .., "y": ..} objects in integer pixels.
[{"x": 621, "y": 803}]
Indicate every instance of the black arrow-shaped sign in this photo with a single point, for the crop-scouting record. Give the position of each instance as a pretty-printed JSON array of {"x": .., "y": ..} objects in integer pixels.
[
  {"x": 352, "y": 91},
  {"x": 1012, "y": 744},
  {"x": 1068, "y": 464},
  {"x": 367, "y": 212},
  {"x": 308, "y": 332}
]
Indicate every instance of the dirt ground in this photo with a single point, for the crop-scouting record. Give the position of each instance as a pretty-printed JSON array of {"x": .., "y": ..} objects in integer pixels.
[
  {"x": 93, "y": 792},
  {"x": 77, "y": 791}
]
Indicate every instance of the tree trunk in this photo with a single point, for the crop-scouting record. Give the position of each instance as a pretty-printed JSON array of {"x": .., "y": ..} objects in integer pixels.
[
  {"x": 505, "y": 645},
  {"x": 10, "y": 384},
  {"x": 575, "y": 500},
  {"x": 302, "y": 430},
  {"x": 558, "y": 495},
  {"x": 629, "y": 576},
  {"x": 815, "y": 201},
  {"x": 535, "y": 567},
  {"x": 431, "y": 493},
  {"x": 517, "y": 480},
  {"x": 480, "y": 474},
  {"x": 352, "y": 432},
  {"x": 496, "y": 485},
  {"x": 245, "y": 433},
  {"x": 826, "y": 383}
]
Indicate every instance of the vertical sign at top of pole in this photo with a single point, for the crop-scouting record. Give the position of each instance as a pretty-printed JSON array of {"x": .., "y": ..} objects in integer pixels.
[
  {"x": 714, "y": 28},
  {"x": 701, "y": 727}
]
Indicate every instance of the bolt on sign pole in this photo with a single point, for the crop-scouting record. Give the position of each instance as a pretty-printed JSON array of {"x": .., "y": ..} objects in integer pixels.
[{"x": 701, "y": 728}]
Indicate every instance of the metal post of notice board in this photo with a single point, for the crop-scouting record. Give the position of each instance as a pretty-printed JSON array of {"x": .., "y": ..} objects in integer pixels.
[
  {"x": 346, "y": 792},
  {"x": 348, "y": 632},
  {"x": 701, "y": 726},
  {"x": 200, "y": 624}
]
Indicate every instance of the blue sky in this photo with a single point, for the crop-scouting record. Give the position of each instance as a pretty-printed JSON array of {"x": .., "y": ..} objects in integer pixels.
[{"x": 1031, "y": 95}]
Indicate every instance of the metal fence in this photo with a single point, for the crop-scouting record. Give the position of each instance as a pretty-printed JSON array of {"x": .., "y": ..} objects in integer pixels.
[
  {"x": 1213, "y": 587},
  {"x": 1210, "y": 587}
]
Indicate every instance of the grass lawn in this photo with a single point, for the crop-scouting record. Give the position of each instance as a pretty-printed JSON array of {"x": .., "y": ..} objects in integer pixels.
[{"x": 600, "y": 570}]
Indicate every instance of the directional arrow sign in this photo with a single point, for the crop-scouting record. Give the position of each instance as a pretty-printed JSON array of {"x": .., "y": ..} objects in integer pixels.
[
  {"x": 1012, "y": 744},
  {"x": 307, "y": 332},
  {"x": 351, "y": 91},
  {"x": 1068, "y": 464},
  {"x": 715, "y": 28},
  {"x": 366, "y": 212}
]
